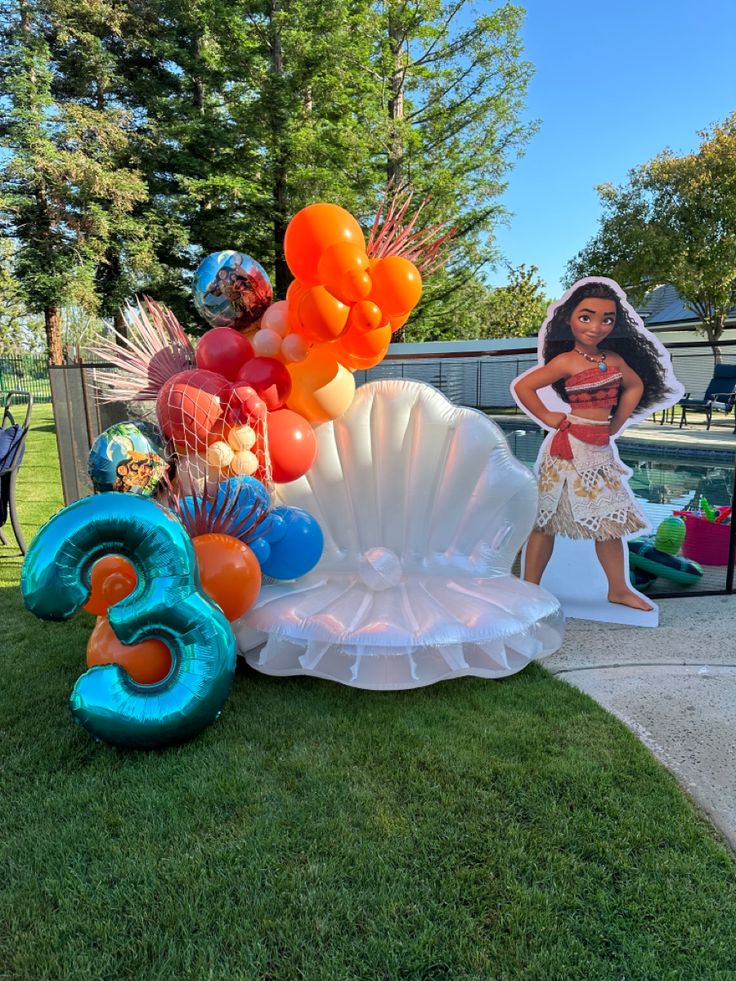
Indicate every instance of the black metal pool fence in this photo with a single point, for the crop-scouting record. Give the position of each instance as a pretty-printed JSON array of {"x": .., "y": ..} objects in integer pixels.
[
  {"x": 476, "y": 379},
  {"x": 26, "y": 373}
]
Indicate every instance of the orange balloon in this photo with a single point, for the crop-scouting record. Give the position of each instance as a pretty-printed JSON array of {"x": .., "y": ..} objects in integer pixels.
[
  {"x": 294, "y": 294},
  {"x": 311, "y": 231},
  {"x": 397, "y": 285},
  {"x": 322, "y": 316},
  {"x": 112, "y": 579},
  {"x": 146, "y": 663},
  {"x": 365, "y": 315},
  {"x": 229, "y": 571},
  {"x": 397, "y": 322},
  {"x": 363, "y": 349},
  {"x": 343, "y": 271},
  {"x": 321, "y": 387}
]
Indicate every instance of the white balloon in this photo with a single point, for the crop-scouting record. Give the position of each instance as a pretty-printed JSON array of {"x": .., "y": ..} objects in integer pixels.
[
  {"x": 276, "y": 318},
  {"x": 294, "y": 348},
  {"x": 266, "y": 343}
]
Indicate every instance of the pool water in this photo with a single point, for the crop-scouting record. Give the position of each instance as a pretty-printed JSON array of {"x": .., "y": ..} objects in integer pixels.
[{"x": 661, "y": 485}]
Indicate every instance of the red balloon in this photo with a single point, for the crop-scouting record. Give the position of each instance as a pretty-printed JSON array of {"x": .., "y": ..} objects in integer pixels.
[
  {"x": 189, "y": 404},
  {"x": 292, "y": 445},
  {"x": 224, "y": 351},
  {"x": 244, "y": 405},
  {"x": 269, "y": 378}
]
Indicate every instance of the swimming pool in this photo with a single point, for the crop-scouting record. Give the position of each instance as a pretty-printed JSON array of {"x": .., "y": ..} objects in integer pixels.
[{"x": 661, "y": 484}]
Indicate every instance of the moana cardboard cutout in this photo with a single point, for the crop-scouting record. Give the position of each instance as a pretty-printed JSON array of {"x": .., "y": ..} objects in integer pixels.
[{"x": 599, "y": 371}]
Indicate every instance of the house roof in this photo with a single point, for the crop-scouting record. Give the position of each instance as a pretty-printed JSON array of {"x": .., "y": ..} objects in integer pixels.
[{"x": 664, "y": 305}]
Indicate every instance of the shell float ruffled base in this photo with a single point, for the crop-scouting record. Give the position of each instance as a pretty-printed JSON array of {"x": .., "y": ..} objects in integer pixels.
[{"x": 423, "y": 509}]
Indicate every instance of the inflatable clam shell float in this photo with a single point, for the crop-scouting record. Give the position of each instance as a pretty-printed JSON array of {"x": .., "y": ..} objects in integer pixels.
[{"x": 424, "y": 509}]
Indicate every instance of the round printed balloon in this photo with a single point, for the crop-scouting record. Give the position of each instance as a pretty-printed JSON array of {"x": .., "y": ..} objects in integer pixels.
[
  {"x": 230, "y": 289},
  {"x": 128, "y": 457}
]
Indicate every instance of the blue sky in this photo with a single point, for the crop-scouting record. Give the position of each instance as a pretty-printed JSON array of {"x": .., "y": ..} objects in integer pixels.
[{"x": 615, "y": 84}]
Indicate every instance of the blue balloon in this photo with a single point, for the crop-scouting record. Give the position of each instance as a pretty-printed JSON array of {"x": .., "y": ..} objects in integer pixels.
[
  {"x": 167, "y": 603},
  {"x": 261, "y": 549},
  {"x": 299, "y": 549}
]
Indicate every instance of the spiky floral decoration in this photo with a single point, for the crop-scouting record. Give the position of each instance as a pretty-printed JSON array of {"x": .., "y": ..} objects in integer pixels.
[
  {"x": 223, "y": 513},
  {"x": 393, "y": 234},
  {"x": 155, "y": 349}
]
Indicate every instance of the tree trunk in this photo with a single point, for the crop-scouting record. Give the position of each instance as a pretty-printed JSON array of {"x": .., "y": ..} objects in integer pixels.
[
  {"x": 282, "y": 275},
  {"x": 714, "y": 327},
  {"x": 121, "y": 325},
  {"x": 394, "y": 164},
  {"x": 52, "y": 318}
]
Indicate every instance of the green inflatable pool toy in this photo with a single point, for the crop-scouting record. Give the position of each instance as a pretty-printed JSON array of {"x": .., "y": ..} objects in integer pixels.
[{"x": 645, "y": 556}]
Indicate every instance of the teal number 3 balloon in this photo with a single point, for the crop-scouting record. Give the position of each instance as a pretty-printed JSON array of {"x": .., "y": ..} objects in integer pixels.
[{"x": 168, "y": 603}]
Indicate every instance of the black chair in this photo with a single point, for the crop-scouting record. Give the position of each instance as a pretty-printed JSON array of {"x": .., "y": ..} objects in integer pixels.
[
  {"x": 12, "y": 447},
  {"x": 720, "y": 396}
]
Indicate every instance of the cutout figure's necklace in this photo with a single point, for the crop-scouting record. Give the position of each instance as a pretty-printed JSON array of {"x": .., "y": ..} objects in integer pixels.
[{"x": 600, "y": 360}]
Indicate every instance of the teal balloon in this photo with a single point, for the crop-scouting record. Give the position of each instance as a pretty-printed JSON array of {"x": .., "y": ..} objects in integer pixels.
[
  {"x": 298, "y": 546},
  {"x": 168, "y": 603}
]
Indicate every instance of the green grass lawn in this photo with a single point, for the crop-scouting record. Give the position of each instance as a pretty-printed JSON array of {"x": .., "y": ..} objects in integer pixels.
[{"x": 473, "y": 829}]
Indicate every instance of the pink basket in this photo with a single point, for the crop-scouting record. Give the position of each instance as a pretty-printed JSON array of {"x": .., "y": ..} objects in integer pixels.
[{"x": 705, "y": 541}]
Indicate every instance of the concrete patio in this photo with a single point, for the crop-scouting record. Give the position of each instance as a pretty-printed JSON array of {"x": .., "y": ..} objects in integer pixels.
[{"x": 674, "y": 687}]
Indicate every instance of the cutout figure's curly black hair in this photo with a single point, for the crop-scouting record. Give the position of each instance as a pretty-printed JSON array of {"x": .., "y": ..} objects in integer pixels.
[{"x": 626, "y": 339}]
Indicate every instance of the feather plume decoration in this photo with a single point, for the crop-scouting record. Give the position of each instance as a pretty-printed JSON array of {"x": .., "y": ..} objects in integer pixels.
[
  {"x": 155, "y": 349},
  {"x": 395, "y": 234},
  {"x": 223, "y": 512}
]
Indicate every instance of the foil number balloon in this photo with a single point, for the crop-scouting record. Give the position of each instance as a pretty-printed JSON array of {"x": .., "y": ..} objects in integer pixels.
[{"x": 167, "y": 602}]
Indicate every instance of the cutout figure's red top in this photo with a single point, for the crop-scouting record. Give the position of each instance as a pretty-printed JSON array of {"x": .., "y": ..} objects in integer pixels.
[{"x": 593, "y": 388}]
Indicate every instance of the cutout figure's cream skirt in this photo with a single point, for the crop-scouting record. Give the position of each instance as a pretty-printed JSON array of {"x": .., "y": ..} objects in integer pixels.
[{"x": 588, "y": 496}]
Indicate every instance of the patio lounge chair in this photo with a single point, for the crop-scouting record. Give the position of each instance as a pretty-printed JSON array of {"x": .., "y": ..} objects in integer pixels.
[
  {"x": 12, "y": 447},
  {"x": 720, "y": 396},
  {"x": 423, "y": 509}
]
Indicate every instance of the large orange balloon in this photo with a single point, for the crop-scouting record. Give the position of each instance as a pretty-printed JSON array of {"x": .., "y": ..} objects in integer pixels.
[
  {"x": 311, "y": 231},
  {"x": 294, "y": 294},
  {"x": 343, "y": 271},
  {"x": 229, "y": 571},
  {"x": 363, "y": 349},
  {"x": 321, "y": 387},
  {"x": 397, "y": 285},
  {"x": 322, "y": 317},
  {"x": 112, "y": 579},
  {"x": 147, "y": 662}
]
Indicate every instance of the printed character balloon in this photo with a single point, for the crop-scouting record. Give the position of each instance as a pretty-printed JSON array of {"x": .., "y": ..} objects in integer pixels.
[
  {"x": 230, "y": 288},
  {"x": 128, "y": 457}
]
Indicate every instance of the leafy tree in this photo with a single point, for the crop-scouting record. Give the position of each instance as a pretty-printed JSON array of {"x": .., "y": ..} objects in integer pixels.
[
  {"x": 455, "y": 84},
  {"x": 674, "y": 221},
  {"x": 19, "y": 332},
  {"x": 63, "y": 189},
  {"x": 519, "y": 308}
]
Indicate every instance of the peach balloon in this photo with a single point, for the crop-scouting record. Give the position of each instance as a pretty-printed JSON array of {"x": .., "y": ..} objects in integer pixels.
[
  {"x": 277, "y": 318},
  {"x": 311, "y": 231},
  {"x": 244, "y": 463},
  {"x": 267, "y": 343},
  {"x": 294, "y": 347},
  {"x": 323, "y": 317},
  {"x": 322, "y": 387},
  {"x": 241, "y": 438},
  {"x": 219, "y": 455}
]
